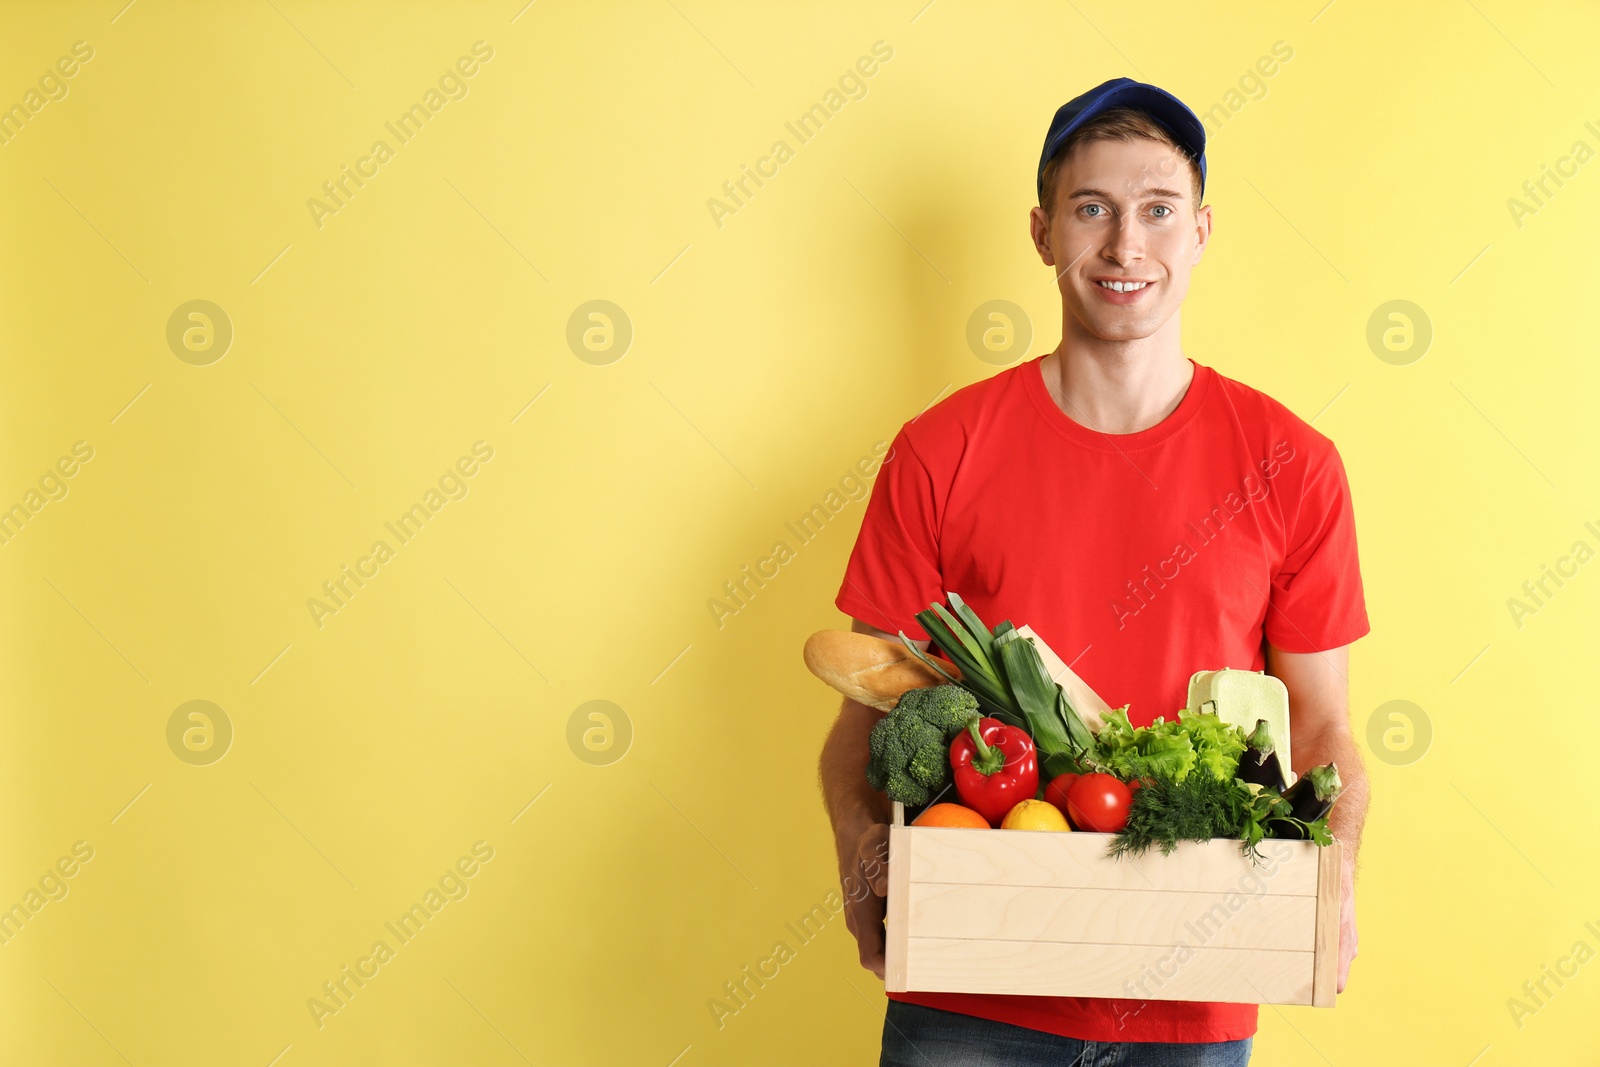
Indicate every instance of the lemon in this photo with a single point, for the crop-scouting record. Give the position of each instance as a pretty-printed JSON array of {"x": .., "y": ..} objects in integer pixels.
[{"x": 1035, "y": 815}]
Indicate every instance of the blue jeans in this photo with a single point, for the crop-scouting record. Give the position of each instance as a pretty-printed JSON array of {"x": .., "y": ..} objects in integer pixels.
[{"x": 918, "y": 1036}]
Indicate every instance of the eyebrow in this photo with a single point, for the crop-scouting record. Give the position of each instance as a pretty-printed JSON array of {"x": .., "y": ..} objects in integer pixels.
[{"x": 1149, "y": 194}]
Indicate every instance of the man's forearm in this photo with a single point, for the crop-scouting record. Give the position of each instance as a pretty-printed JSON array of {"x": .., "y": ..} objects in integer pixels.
[
  {"x": 1349, "y": 812},
  {"x": 1318, "y": 684},
  {"x": 852, "y": 804}
]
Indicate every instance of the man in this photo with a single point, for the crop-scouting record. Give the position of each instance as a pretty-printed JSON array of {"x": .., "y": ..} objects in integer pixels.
[{"x": 1148, "y": 516}]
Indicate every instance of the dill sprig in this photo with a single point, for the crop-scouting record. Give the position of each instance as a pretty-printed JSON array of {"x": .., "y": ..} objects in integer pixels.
[{"x": 1198, "y": 807}]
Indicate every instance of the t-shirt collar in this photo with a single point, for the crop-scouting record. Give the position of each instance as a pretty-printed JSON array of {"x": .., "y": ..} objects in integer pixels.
[{"x": 1079, "y": 434}]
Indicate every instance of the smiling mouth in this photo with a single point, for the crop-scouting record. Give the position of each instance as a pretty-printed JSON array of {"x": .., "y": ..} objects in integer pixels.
[{"x": 1132, "y": 291}]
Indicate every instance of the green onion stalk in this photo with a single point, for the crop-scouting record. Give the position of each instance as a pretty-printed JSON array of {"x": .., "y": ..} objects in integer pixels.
[{"x": 1006, "y": 674}]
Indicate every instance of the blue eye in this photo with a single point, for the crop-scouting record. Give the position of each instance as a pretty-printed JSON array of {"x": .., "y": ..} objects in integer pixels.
[
  {"x": 1086, "y": 207},
  {"x": 1167, "y": 209}
]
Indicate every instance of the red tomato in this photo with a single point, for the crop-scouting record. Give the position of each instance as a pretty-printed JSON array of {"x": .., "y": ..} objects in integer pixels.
[
  {"x": 1099, "y": 803},
  {"x": 1135, "y": 784},
  {"x": 1056, "y": 791}
]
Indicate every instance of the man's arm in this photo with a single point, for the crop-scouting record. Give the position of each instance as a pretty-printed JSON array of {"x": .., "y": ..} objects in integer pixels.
[
  {"x": 1319, "y": 732},
  {"x": 860, "y": 818}
]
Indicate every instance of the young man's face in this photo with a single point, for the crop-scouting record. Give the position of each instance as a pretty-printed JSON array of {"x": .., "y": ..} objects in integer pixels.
[{"x": 1123, "y": 210}]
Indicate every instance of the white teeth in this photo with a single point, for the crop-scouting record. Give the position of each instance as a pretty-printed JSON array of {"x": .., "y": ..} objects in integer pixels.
[{"x": 1124, "y": 287}]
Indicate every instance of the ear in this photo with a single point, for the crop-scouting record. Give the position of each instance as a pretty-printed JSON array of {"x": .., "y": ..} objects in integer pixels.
[
  {"x": 1039, "y": 230},
  {"x": 1202, "y": 232}
]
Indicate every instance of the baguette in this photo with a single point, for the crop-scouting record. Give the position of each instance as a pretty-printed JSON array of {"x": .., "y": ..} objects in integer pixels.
[{"x": 867, "y": 669}]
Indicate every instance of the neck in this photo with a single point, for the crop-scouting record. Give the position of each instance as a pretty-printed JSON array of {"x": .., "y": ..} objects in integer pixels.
[{"x": 1117, "y": 388}]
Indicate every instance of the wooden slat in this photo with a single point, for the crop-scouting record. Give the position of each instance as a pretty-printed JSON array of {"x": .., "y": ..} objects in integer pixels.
[
  {"x": 1043, "y": 968},
  {"x": 1113, "y": 916},
  {"x": 1328, "y": 902},
  {"x": 1040, "y": 857},
  {"x": 897, "y": 916}
]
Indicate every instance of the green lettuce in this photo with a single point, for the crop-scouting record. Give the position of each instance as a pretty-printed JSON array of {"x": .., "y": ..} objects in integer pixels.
[
  {"x": 1217, "y": 744},
  {"x": 1162, "y": 749},
  {"x": 1168, "y": 750}
]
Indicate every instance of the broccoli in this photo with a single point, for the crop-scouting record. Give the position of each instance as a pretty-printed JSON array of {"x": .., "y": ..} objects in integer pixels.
[
  {"x": 930, "y": 767},
  {"x": 947, "y": 707},
  {"x": 887, "y": 750},
  {"x": 901, "y": 787},
  {"x": 909, "y": 747}
]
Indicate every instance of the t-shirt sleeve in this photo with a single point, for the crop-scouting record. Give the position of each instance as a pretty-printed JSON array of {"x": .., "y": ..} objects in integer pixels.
[
  {"x": 1317, "y": 601},
  {"x": 893, "y": 571}
]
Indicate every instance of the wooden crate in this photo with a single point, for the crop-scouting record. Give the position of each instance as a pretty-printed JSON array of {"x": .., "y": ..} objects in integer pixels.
[{"x": 1049, "y": 914}]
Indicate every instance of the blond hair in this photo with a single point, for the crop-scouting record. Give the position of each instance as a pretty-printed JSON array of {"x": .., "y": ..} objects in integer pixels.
[{"x": 1118, "y": 124}]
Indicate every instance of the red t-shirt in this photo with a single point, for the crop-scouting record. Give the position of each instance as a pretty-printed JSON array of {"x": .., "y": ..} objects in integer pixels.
[{"x": 1138, "y": 558}]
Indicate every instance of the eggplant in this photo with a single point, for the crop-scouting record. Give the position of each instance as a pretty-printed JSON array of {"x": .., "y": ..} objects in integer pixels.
[
  {"x": 1259, "y": 764},
  {"x": 1310, "y": 798}
]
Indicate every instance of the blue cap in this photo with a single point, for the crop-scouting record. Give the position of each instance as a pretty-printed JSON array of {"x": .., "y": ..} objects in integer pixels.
[{"x": 1171, "y": 113}]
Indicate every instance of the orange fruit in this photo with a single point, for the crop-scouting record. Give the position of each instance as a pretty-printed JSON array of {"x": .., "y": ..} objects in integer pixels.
[
  {"x": 950, "y": 815},
  {"x": 1035, "y": 815}
]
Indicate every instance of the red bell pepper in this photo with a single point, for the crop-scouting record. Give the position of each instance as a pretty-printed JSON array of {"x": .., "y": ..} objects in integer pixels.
[{"x": 995, "y": 767}]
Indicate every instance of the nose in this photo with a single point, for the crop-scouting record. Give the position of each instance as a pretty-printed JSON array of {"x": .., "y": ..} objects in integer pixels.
[{"x": 1126, "y": 243}]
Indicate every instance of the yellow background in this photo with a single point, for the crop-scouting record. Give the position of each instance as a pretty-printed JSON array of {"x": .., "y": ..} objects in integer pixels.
[{"x": 768, "y": 355}]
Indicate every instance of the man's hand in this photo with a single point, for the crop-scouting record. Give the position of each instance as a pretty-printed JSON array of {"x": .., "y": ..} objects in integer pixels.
[
  {"x": 1347, "y": 921},
  {"x": 1319, "y": 729},
  {"x": 864, "y": 876},
  {"x": 860, "y": 818}
]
